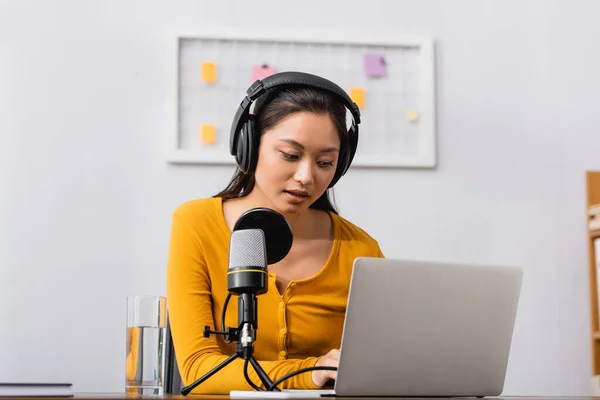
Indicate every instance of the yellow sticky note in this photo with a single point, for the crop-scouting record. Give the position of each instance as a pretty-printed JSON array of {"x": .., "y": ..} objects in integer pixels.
[
  {"x": 412, "y": 115},
  {"x": 208, "y": 133},
  {"x": 358, "y": 96},
  {"x": 209, "y": 72}
]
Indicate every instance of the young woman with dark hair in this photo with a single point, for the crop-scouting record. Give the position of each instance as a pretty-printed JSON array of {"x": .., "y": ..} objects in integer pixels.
[{"x": 302, "y": 136}]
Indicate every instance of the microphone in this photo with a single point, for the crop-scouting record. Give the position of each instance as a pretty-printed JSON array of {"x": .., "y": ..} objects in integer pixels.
[
  {"x": 277, "y": 230},
  {"x": 247, "y": 271},
  {"x": 260, "y": 237}
]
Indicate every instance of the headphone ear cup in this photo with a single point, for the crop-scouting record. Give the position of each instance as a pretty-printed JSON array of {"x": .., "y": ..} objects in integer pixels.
[
  {"x": 341, "y": 166},
  {"x": 241, "y": 150},
  {"x": 252, "y": 148},
  {"x": 337, "y": 175},
  {"x": 246, "y": 150},
  {"x": 346, "y": 155},
  {"x": 352, "y": 145}
]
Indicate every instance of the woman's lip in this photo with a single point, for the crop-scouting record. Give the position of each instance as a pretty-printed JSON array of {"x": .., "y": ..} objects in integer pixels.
[
  {"x": 294, "y": 198},
  {"x": 303, "y": 194}
]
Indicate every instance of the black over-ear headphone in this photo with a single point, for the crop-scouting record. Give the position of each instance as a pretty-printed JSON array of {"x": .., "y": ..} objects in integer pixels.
[{"x": 244, "y": 137}]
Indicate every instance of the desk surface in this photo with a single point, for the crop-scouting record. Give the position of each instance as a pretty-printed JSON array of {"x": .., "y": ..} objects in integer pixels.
[{"x": 123, "y": 396}]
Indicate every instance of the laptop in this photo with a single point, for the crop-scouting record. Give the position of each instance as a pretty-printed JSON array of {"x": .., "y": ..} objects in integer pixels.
[{"x": 423, "y": 329}]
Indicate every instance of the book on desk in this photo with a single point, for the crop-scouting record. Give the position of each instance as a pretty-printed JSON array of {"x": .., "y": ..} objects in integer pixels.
[{"x": 30, "y": 389}]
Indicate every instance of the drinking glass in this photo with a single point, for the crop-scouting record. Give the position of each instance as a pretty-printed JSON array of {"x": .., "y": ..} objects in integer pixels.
[{"x": 145, "y": 353}]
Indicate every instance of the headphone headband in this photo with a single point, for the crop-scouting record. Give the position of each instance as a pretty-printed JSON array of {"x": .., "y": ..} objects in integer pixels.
[
  {"x": 292, "y": 79},
  {"x": 282, "y": 81}
]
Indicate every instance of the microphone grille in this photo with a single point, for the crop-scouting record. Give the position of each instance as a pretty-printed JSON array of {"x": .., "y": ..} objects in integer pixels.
[{"x": 247, "y": 248}]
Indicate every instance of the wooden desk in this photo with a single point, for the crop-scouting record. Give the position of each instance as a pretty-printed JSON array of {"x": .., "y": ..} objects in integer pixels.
[{"x": 123, "y": 396}]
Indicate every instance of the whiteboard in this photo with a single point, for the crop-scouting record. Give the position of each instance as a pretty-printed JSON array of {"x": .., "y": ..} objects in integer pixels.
[{"x": 391, "y": 77}]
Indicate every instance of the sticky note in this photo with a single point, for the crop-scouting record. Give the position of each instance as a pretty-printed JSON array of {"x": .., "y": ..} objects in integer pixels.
[
  {"x": 358, "y": 96},
  {"x": 209, "y": 72},
  {"x": 261, "y": 72},
  {"x": 412, "y": 115},
  {"x": 208, "y": 133},
  {"x": 375, "y": 65}
]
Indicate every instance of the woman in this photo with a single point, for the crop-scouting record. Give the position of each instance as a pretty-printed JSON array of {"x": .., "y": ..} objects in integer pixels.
[{"x": 303, "y": 149}]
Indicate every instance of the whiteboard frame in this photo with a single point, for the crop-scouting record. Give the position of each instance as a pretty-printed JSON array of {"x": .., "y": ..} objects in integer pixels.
[{"x": 428, "y": 159}]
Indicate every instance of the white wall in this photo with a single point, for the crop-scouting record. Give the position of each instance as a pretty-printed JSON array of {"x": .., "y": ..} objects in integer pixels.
[{"x": 86, "y": 197}]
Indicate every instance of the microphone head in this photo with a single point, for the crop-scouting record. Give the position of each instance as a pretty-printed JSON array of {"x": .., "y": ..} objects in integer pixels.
[
  {"x": 277, "y": 230},
  {"x": 247, "y": 271}
]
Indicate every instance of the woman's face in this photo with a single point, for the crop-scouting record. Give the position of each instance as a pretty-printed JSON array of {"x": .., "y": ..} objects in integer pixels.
[{"x": 296, "y": 162}]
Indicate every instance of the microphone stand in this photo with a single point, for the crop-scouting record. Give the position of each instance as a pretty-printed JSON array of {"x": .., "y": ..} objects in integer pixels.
[{"x": 245, "y": 336}]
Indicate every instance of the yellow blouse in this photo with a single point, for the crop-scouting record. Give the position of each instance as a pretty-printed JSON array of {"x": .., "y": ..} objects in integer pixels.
[{"x": 294, "y": 328}]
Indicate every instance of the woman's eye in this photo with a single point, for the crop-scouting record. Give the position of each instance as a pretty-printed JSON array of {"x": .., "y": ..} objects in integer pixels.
[
  {"x": 325, "y": 164},
  {"x": 288, "y": 156}
]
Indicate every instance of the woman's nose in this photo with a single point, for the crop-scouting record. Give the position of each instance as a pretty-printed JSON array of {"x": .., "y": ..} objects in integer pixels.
[{"x": 304, "y": 173}]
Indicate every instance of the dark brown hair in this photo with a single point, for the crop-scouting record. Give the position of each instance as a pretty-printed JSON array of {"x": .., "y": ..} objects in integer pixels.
[{"x": 270, "y": 109}]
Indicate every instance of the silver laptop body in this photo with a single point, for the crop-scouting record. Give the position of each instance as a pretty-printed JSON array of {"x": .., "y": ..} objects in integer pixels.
[{"x": 418, "y": 328}]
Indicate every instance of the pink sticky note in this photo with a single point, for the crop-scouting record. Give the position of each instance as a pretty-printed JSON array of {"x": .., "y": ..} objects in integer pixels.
[
  {"x": 375, "y": 65},
  {"x": 261, "y": 72}
]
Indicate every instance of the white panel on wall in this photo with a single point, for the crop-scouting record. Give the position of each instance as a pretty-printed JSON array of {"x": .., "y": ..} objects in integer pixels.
[{"x": 391, "y": 78}]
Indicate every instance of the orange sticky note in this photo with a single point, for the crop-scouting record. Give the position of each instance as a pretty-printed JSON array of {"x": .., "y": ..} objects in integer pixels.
[
  {"x": 208, "y": 133},
  {"x": 358, "y": 96},
  {"x": 209, "y": 72}
]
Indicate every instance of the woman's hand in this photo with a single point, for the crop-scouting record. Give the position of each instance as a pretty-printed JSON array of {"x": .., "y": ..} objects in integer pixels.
[{"x": 331, "y": 359}]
